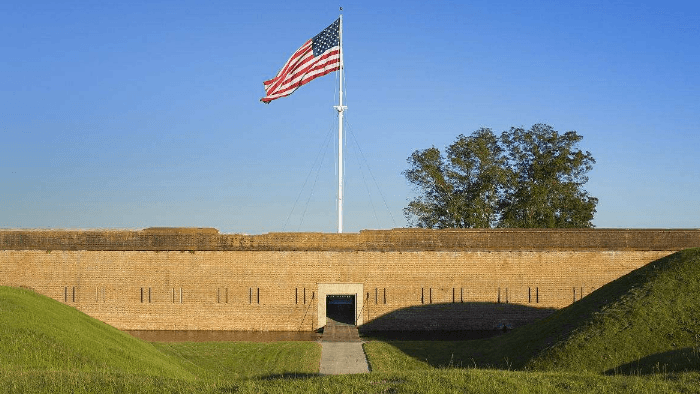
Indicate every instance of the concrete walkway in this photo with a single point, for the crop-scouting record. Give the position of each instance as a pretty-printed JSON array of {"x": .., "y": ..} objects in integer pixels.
[{"x": 341, "y": 350}]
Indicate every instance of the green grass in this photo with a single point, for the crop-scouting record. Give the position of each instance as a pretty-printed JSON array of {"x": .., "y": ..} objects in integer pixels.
[
  {"x": 436, "y": 381},
  {"x": 637, "y": 334},
  {"x": 40, "y": 334},
  {"x": 644, "y": 322},
  {"x": 246, "y": 360},
  {"x": 649, "y": 319}
]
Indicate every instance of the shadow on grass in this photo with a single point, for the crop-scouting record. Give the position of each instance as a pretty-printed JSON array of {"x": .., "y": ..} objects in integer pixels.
[
  {"x": 287, "y": 376},
  {"x": 679, "y": 360},
  {"x": 432, "y": 335}
]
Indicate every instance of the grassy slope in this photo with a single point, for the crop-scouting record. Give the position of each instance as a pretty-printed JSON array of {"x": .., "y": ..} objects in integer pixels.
[
  {"x": 637, "y": 323},
  {"x": 649, "y": 316},
  {"x": 38, "y": 333},
  {"x": 47, "y": 346}
]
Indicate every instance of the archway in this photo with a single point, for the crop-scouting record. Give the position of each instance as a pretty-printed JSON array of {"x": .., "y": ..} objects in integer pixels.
[
  {"x": 340, "y": 296},
  {"x": 341, "y": 308}
]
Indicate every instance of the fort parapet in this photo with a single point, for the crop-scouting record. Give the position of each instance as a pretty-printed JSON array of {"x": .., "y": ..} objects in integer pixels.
[
  {"x": 209, "y": 239},
  {"x": 402, "y": 279}
]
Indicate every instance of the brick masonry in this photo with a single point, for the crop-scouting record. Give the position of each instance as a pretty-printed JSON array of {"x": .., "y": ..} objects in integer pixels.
[{"x": 198, "y": 279}]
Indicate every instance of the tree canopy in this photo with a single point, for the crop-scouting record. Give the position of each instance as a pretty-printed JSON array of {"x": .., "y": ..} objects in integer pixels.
[{"x": 524, "y": 178}]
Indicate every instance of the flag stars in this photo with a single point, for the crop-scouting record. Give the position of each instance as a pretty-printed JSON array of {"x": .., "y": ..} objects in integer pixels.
[{"x": 328, "y": 38}]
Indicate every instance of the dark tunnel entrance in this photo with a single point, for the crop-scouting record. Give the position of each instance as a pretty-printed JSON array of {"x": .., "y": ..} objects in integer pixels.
[{"x": 341, "y": 308}]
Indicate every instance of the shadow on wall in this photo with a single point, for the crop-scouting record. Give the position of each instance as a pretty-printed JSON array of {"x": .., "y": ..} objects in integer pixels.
[
  {"x": 452, "y": 317},
  {"x": 450, "y": 326}
]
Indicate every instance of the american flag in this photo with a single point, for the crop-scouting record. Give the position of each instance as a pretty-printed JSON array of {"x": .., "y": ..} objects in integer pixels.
[{"x": 316, "y": 58}]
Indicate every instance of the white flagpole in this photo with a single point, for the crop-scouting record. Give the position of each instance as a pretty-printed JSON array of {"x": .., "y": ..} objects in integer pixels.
[{"x": 340, "y": 108}]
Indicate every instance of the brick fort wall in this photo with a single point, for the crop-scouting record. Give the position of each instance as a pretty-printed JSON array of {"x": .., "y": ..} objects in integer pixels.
[{"x": 199, "y": 279}]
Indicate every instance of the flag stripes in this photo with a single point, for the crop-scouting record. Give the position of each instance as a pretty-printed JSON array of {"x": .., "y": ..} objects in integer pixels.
[{"x": 304, "y": 67}]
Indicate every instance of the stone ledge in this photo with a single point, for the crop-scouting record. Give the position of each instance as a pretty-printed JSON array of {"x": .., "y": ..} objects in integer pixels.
[{"x": 408, "y": 240}]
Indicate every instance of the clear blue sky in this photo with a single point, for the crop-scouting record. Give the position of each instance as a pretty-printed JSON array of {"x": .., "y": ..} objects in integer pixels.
[{"x": 131, "y": 114}]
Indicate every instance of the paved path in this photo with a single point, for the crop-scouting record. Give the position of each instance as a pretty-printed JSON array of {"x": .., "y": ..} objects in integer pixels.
[{"x": 341, "y": 350}]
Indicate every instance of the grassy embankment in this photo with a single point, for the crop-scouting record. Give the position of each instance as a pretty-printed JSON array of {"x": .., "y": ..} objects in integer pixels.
[
  {"x": 644, "y": 322},
  {"x": 49, "y": 346},
  {"x": 642, "y": 330}
]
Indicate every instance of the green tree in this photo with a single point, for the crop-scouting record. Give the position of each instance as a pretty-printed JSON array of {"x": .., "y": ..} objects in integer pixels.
[
  {"x": 548, "y": 173},
  {"x": 462, "y": 189},
  {"x": 525, "y": 178}
]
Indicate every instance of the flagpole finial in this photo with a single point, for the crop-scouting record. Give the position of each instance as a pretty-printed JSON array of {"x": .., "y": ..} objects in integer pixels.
[{"x": 341, "y": 8}]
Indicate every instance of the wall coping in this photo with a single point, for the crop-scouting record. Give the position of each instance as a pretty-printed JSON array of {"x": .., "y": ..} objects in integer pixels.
[{"x": 400, "y": 240}]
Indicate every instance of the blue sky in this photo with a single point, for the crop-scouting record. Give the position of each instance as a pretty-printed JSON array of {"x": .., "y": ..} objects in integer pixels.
[{"x": 137, "y": 114}]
